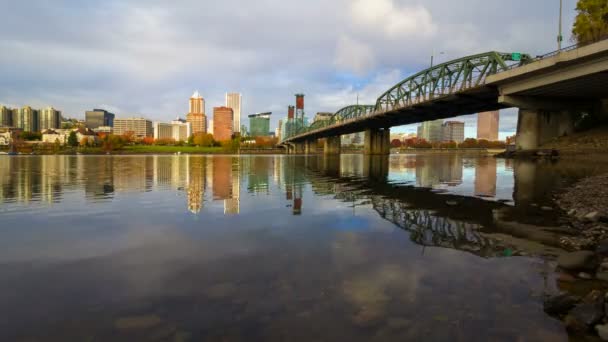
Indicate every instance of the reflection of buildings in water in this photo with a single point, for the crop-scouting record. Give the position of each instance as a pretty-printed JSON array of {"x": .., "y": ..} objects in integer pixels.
[
  {"x": 259, "y": 174},
  {"x": 222, "y": 177},
  {"x": 485, "y": 177},
  {"x": 196, "y": 184},
  {"x": 435, "y": 170},
  {"x": 232, "y": 205},
  {"x": 133, "y": 175},
  {"x": 277, "y": 170}
]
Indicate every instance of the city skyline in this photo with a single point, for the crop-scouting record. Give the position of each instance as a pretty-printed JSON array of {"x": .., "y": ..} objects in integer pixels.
[{"x": 330, "y": 60}]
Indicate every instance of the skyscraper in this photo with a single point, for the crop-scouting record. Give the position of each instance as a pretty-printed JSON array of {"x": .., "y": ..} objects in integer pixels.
[
  {"x": 197, "y": 104},
  {"x": 27, "y": 119},
  {"x": 6, "y": 116},
  {"x": 453, "y": 131},
  {"x": 196, "y": 114},
  {"x": 98, "y": 117},
  {"x": 259, "y": 124},
  {"x": 50, "y": 118},
  {"x": 487, "y": 125},
  {"x": 431, "y": 131},
  {"x": 222, "y": 123},
  {"x": 234, "y": 101}
]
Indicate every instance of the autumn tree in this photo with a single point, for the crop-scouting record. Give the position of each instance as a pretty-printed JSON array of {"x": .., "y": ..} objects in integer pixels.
[
  {"x": 147, "y": 141},
  {"x": 396, "y": 143},
  {"x": 591, "y": 23},
  {"x": 203, "y": 139}
]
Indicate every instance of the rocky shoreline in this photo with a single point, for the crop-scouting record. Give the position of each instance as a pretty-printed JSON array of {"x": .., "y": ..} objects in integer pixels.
[{"x": 586, "y": 205}]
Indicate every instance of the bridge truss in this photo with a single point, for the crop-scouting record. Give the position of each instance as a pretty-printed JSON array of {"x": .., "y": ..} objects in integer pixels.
[{"x": 438, "y": 81}]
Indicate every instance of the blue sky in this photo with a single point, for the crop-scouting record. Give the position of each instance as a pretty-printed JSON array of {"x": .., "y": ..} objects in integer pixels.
[{"x": 145, "y": 58}]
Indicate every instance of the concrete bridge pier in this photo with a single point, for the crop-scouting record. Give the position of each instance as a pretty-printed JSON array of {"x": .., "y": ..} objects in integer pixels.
[
  {"x": 540, "y": 120},
  {"x": 299, "y": 147},
  {"x": 332, "y": 145},
  {"x": 377, "y": 142},
  {"x": 536, "y": 127},
  {"x": 310, "y": 146}
]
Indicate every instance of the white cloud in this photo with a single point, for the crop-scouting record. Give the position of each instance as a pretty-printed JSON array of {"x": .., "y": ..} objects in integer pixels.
[
  {"x": 393, "y": 20},
  {"x": 353, "y": 56}
]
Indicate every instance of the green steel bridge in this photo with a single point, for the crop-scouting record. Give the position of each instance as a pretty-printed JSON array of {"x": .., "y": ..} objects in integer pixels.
[{"x": 445, "y": 90}]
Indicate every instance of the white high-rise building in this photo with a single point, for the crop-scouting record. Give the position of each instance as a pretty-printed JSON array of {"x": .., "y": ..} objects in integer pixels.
[{"x": 234, "y": 101}]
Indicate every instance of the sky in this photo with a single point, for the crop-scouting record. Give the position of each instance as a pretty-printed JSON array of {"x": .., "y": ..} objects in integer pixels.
[{"x": 147, "y": 57}]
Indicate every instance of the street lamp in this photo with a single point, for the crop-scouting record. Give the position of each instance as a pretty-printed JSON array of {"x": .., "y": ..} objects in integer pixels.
[
  {"x": 559, "y": 34},
  {"x": 433, "y": 56}
]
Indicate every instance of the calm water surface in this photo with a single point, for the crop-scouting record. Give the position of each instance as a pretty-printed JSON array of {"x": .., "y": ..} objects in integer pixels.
[{"x": 276, "y": 248}]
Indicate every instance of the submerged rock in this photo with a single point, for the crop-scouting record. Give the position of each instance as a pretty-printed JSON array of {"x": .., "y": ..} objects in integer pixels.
[
  {"x": 588, "y": 313},
  {"x": 560, "y": 304},
  {"x": 580, "y": 260},
  {"x": 593, "y": 216},
  {"x": 602, "y": 331},
  {"x": 602, "y": 248}
]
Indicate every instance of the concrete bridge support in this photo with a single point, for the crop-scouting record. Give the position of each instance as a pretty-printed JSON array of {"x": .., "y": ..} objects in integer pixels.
[
  {"x": 310, "y": 146},
  {"x": 536, "y": 127},
  {"x": 377, "y": 142},
  {"x": 299, "y": 147},
  {"x": 332, "y": 145}
]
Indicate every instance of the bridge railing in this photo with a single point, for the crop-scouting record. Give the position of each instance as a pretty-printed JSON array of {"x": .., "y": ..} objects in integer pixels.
[{"x": 557, "y": 52}]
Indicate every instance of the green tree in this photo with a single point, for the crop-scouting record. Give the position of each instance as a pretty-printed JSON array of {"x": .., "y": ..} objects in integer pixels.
[
  {"x": 591, "y": 23},
  {"x": 73, "y": 139}
]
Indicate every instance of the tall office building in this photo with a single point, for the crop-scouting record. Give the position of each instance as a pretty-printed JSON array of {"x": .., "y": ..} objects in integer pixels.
[
  {"x": 431, "y": 131},
  {"x": 140, "y": 127},
  {"x": 27, "y": 119},
  {"x": 98, "y": 117},
  {"x": 279, "y": 130},
  {"x": 196, "y": 114},
  {"x": 6, "y": 116},
  {"x": 197, "y": 103},
  {"x": 487, "y": 125},
  {"x": 259, "y": 124},
  {"x": 453, "y": 131},
  {"x": 222, "y": 123},
  {"x": 234, "y": 101},
  {"x": 50, "y": 118}
]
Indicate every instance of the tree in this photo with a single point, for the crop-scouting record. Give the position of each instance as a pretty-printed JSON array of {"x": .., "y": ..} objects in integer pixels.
[
  {"x": 72, "y": 139},
  {"x": 396, "y": 143},
  {"x": 591, "y": 23},
  {"x": 147, "y": 141},
  {"x": 203, "y": 139}
]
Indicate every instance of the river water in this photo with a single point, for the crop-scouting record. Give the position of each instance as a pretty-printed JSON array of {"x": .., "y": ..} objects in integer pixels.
[{"x": 278, "y": 248}]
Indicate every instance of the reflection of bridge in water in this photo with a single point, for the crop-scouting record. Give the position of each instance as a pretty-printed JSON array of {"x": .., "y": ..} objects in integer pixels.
[{"x": 426, "y": 215}]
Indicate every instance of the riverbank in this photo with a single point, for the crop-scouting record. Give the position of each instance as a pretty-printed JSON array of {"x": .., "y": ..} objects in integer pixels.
[
  {"x": 584, "y": 269},
  {"x": 593, "y": 141}
]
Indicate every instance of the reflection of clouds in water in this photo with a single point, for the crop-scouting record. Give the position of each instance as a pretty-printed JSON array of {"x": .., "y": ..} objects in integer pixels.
[{"x": 368, "y": 286}]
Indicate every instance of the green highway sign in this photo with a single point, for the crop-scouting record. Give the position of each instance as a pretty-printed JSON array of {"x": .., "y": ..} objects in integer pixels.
[{"x": 516, "y": 56}]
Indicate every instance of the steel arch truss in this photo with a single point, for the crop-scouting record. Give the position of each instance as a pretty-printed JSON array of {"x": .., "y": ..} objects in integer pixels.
[
  {"x": 446, "y": 79},
  {"x": 346, "y": 113}
]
